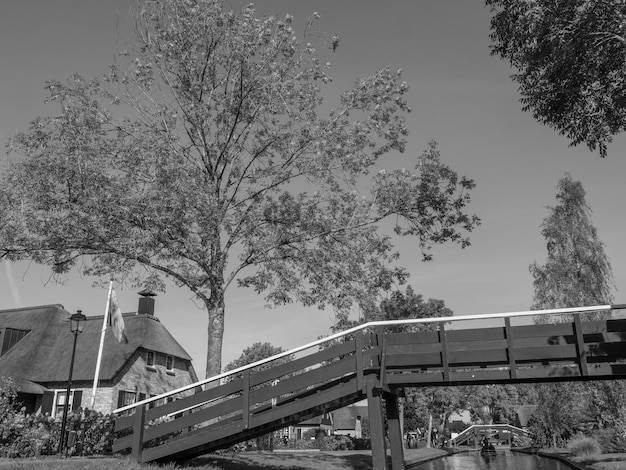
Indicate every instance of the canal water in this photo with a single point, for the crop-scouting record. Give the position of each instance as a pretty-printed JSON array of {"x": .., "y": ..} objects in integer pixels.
[{"x": 504, "y": 459}]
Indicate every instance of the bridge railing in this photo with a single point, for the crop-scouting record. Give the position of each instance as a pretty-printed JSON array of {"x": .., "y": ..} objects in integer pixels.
[{"x": 475, "y": 429}]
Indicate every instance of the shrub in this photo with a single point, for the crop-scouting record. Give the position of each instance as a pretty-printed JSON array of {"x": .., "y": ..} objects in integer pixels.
[
  {"x": 337, "y": 442},
  {"x": 362, "y": 444},
  {"x": 583, "y": 446},
  {"x": 612, "y": 440}
]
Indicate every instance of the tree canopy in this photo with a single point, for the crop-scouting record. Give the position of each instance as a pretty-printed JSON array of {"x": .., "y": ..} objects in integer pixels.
[
  {"x": 570, "y": 57},
  {"x": 397, "y": 305},
  {"x": 208, "y": 156},
  {"x": 577, "y": 271}
]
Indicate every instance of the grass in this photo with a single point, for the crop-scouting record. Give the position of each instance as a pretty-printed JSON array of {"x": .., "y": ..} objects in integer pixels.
[{"x": 244, "y": 461}]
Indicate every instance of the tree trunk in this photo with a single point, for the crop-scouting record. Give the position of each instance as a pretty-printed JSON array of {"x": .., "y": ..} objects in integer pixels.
[{"x": 216, "y": 308}]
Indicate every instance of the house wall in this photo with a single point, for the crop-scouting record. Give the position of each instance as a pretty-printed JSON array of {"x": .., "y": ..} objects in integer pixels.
[
  {"x": 135, "y": 377},
  {"x": 153, "y": 380}
]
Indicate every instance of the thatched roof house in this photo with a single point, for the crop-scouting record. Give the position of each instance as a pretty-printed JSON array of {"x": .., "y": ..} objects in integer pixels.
[{"x": 36, "y": 347}]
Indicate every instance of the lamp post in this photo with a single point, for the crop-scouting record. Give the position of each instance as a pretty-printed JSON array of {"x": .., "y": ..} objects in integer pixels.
[{"x": 77, "y": 324}]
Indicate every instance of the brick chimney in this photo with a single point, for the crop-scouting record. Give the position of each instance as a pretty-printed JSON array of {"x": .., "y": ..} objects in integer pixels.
[{"x": 146, "y": 303}]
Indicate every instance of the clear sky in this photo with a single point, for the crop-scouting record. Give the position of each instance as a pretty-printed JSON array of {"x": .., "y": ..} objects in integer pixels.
[{"x": 461, "y": 97}]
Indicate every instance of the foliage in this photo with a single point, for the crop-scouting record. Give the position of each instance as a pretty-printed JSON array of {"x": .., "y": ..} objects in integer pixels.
[
  {"x": 183, "y": 161},
  {"x": 29, "y": 435},
  {"x": 398, "y": 306},
  {"x": 34, "y": 435},
  {"x": 8, "y": 395},
  {"x": 583, "y": 446},
  {"x": 441, "y": 402},
  {"x": 577, "y": 271},
  {"x": 257, "y": 352},
  {"x": 570, "y": 57},
  {"x": 493, "y": 404},
  {"x": 337, "y": 442},
  {"x": 561, "y": 408},
  {"x": 612, "y": 440}
]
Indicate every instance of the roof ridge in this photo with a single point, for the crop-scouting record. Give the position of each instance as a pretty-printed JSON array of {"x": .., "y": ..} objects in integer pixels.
[
  {"x": 126, "y": 314},
  {"x": 38, "y": 307}
]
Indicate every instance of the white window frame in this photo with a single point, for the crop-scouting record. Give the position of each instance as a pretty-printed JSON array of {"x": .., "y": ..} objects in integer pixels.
[
  {"x": 171, "y": 366},
  {"x": 56, "y": 403},
  {"x": 148, "y": 363}
]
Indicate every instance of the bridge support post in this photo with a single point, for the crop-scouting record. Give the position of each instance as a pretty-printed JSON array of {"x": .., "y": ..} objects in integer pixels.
[
  {"x": 395, "y": 432},
  {"x": 377, "y": 426},
  {"x": 138, "y": 429}
]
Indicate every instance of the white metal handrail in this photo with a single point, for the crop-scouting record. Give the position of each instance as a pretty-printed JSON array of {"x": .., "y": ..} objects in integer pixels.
[{"x": 326, "y": 339}]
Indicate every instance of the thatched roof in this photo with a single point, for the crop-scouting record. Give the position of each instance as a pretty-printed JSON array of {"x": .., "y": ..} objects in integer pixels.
[
  {"x": 345, "y": 418},
  {"x": 44, "y": 354}
]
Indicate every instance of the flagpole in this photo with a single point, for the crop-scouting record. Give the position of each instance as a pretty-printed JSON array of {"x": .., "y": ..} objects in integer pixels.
[{"x": 99, "y": 360}]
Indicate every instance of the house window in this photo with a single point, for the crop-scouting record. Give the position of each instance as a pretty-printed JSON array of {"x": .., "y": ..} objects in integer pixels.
[
  {"x": 128, "y": 397},
  {"x": 150, "y": 359},
  {"x": 169, "y": 363},
  {"x": 54, "y": 402}
]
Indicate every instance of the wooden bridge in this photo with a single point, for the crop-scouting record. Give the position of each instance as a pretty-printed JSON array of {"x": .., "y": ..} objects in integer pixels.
[
  {"x": 476, "y": 432},
  {"x": 369, "y": 362}
]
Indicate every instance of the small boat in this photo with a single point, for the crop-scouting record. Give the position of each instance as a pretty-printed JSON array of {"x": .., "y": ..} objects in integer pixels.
[{"x": 488, "y": 451}]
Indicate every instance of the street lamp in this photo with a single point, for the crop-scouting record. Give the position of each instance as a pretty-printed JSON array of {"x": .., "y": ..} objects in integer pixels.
[{"x": 77, "y": 325}]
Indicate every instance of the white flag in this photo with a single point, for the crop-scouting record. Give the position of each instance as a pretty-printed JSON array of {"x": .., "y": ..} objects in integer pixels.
[{"x": 116, "y": 320}]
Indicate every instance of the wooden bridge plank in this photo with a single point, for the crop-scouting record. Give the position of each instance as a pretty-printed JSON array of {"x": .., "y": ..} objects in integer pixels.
[
  {"x": 207, "y": 395},
  {"x": 476, "y": 334},
  {"x": 486, "y": 357},
  {"x": 414, "y": 348},
  {"x": 604, "y": 327},
  {"x": 423, "y": 337},
  {"x": 561, "y": 352},
  {"x": 554, "y": 373},
  {"x": 543, "y": 330},
  {"x": 413, "y": 360}
]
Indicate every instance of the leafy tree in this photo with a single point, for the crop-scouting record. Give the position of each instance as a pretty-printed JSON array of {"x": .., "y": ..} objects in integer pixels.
[
  {"x": 561, "y": 408},
  {"x": 493, "y": 404},
  {"x": 441, "y": 402},
  {"x": 577, "y": 271},
  {"x": 570, "y": 57},
  {"x": 207, "y": 155}
]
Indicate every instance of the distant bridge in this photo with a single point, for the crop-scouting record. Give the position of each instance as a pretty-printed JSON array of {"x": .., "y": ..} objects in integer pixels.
[
  {"x": 367, "y": 362},
  {"x": 474, "y": 433}
]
